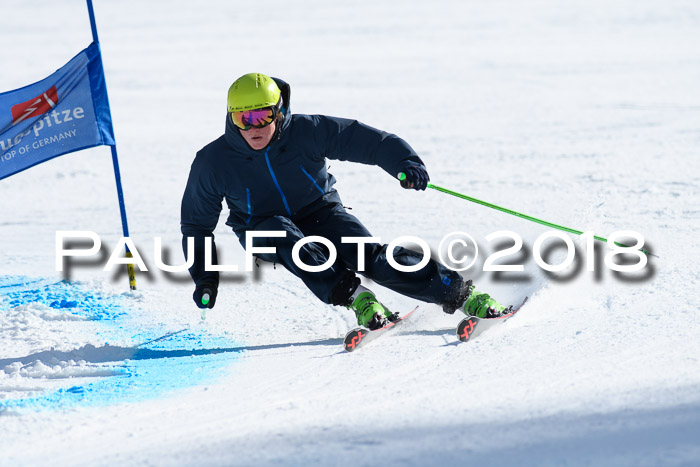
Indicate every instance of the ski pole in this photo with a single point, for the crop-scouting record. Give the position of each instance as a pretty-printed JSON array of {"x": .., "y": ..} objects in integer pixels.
[{"x": 404, "y": 183}]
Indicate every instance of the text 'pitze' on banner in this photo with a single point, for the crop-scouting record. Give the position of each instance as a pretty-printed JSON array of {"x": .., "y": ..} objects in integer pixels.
[{"x": 66, "y": 112}]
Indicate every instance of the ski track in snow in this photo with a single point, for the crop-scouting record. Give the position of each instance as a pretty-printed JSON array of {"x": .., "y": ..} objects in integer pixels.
[
  {"x": 94, "y": 356},
  {"x": 586, "y": 114}
]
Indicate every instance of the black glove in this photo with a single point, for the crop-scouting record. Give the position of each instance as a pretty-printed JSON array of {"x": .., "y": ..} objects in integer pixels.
[
  {"x": 199, "y": 294},
  {"x": 416, "y": 177}
]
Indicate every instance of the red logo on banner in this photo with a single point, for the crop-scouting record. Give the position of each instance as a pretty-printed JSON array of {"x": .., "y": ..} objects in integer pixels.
[{"x": 35, "y": 107}]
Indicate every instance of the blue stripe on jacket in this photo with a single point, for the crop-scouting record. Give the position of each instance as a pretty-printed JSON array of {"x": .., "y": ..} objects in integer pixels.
[{"x": 274, "y": 179}]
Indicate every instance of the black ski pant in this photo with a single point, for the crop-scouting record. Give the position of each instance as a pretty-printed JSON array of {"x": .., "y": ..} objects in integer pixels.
[{"x": 434, "y": 283}]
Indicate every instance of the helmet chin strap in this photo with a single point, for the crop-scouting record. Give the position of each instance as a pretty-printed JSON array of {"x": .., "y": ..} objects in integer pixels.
[
  {"x": 279, "y": 119},
  {"x": 278, "y": 127}
]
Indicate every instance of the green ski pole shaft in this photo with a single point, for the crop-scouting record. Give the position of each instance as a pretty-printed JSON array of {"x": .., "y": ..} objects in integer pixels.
[{"x": 402, "y": 177}]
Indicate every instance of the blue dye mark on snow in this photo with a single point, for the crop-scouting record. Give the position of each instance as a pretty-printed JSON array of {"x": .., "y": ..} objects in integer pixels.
[
  {"x": 73, "y": 298},
  {"x": 155, "y": 365}
]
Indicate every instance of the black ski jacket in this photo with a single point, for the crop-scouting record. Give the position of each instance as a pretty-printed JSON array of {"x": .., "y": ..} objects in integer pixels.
[{"x": 283, "y": 179}]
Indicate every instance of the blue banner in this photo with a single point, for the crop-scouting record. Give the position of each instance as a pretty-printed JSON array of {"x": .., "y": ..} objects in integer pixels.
[{"x": 66, "y": 112}]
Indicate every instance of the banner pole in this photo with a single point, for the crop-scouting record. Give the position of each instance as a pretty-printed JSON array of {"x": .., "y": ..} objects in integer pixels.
[
  {"x": 93, "y": 26},
  {"x": 115, "y": 160},
  {"x": 122, "y": 208}
]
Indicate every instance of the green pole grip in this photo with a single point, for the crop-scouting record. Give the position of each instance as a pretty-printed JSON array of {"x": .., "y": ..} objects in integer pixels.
[{"x": 404, "y": 182}]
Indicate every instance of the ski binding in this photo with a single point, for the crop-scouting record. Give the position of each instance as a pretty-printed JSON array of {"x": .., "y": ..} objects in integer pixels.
[
  {"x": 471, "y": 326},
  {"x": 360, "y": 336}
]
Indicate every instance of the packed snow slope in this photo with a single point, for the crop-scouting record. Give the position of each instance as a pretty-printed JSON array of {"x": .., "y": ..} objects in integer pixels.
[{"x": 583, "y": 113}]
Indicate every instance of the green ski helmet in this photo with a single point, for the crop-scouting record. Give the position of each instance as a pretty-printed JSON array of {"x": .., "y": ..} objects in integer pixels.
[{"x": 253, "y": 91}]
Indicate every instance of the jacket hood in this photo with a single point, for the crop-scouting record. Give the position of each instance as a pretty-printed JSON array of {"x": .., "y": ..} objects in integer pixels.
[{"x": 238, "y": 143}]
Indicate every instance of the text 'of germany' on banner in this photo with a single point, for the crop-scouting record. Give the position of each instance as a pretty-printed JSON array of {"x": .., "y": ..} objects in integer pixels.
[{"x": 66, "y": 112}]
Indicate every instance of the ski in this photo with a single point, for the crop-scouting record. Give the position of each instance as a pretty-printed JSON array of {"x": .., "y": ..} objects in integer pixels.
[
  {"x": 360, "y": 336},
  {"x": 471, "y": 326}
]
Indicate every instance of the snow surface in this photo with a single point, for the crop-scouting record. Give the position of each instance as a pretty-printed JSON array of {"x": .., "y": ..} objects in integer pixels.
[{"x": 584, "y": 113}]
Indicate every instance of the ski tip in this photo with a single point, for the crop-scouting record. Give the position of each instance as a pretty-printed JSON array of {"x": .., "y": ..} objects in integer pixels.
[
  {"x": 354, "y": 338},
  {"x": 466, "y": 328},
  {"x": 358, "y": 336}
]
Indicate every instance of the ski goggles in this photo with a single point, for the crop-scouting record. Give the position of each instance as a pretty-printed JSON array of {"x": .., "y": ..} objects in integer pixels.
[{"x": 256, "y": 118}]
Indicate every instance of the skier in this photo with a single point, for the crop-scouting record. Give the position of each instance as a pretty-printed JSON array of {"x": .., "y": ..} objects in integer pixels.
[{"x": 270, "y": 167}]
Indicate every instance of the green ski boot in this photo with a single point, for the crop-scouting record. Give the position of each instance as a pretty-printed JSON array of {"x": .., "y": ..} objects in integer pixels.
[
  {"x": 369, "y": 312},
  {"x": 482, "y": 305}
]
